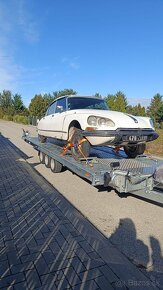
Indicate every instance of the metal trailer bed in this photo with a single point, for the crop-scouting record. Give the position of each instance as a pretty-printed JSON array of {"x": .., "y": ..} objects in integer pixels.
[{"x": 107, "y": 168}]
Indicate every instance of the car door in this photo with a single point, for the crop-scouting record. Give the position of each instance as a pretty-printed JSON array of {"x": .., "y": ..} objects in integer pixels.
[
  {"x": 58, "y": 117},
  {"x": 45, "y": 124}
]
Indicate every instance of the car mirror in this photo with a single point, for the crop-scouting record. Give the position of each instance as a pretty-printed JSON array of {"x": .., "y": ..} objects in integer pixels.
[{"x": 59, "y": 109}]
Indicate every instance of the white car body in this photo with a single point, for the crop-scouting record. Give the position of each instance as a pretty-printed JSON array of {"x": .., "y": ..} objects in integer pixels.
[{"x": 109, "y": 127}]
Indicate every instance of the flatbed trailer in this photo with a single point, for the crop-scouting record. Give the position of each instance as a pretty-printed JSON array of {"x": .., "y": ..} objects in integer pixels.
[{"x": 105, "y": 167}]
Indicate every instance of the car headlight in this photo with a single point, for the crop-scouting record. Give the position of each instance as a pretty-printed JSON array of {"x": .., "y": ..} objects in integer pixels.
[
  {"x": 105, "y": 122},
  {"x": 101, "y": 121},
  {"x": 94, "y": 121}
]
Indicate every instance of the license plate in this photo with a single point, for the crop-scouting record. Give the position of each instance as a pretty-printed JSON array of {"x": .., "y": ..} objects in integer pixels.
[{"x": 137, "y": 138}]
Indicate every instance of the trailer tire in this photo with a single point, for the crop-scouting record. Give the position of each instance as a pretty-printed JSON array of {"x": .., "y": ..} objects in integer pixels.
[
  {"x": 134, "y": 150},
  {"x": 55, "y": 166},
  {"x": 85, "y": 146},
  {"x": 47, "y": 161},
  {"x": 42, "y": 138},
  {"x": 41, "y": 157}
]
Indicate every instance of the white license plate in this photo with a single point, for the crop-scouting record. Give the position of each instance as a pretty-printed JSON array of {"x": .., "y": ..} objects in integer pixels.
[{"x": 137, "y": 138}]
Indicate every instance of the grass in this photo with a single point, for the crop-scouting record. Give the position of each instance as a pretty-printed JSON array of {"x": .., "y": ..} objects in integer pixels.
[{"x": 156, "y": 147}]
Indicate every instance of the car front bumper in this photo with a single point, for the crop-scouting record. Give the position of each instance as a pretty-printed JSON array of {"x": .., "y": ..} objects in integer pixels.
[{"x": 120, "y": 136}]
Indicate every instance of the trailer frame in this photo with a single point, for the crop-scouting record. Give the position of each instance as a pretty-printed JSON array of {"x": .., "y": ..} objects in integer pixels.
[{"x": 104, "y": 167}]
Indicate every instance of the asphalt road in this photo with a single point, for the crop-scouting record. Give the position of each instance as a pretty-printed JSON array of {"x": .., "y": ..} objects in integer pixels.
[{"x": 133, "y": 225}]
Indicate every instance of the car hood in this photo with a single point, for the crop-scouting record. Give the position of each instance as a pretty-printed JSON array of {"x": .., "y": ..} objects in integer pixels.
[{"x": 121, "y": 120}]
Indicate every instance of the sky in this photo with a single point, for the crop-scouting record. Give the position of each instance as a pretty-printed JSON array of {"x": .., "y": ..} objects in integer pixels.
[{"x": 89, "y": 46}]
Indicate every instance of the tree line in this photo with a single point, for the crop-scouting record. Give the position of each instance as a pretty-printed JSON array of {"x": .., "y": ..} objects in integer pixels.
[{"x": 12, "y": 107}]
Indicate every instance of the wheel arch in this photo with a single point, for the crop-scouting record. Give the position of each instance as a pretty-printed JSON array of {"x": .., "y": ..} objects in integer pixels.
[{"x": 74, "y": 124}]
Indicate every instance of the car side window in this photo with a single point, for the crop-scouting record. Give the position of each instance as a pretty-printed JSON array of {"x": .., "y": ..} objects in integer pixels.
[
  {"x": 61, "y": 105},
  {"x": 51, "y": 109}
]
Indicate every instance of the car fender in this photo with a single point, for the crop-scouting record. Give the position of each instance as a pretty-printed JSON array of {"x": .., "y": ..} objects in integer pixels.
[
  {"x": 73, "y": 116},
  {"x": 148, "y": 120}
]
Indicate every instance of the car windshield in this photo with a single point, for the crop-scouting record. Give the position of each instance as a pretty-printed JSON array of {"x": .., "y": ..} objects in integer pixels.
[{"x": 86, "y": 103}]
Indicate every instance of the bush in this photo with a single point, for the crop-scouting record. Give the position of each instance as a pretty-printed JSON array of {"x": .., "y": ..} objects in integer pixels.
[
  {"x": 20, "y": 119},
  {"x": 161, "y": 125},
  {"x": 1, "y": 114},
  {"x": 32, "y": 120},
  {"x": 7, "y": 117}
]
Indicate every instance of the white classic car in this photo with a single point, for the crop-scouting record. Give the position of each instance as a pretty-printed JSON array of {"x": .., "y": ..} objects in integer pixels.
[{"x": 88, "y": 121}]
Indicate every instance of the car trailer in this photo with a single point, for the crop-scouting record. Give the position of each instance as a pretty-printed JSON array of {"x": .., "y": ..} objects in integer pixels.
[{"x": 142, "y": 176}]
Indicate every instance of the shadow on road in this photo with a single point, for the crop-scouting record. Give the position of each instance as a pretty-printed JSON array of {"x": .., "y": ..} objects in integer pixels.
[{"x": 149, "y": 261}]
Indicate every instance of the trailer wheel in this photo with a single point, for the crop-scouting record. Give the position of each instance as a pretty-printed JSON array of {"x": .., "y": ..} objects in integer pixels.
[
  {"x": 41, "y": 157},
  {"x": 47, "y": 161},
  {"x": 55, "y": 166},
  {"x": 134, "y": 150},
  {"x": 41, "y": 138},
  {"x": 81, "y": 148}
]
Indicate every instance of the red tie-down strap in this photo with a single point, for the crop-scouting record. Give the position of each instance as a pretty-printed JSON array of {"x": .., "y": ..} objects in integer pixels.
[
  {"x": 78, "y": 146},
  {"x": 70, "y": 145}
]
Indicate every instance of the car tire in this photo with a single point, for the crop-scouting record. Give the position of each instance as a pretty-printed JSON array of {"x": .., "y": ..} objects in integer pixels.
[
  {"x": 41, "y": 157},
  {"x": 41, "y": 138},
  {"x": 71, "y": 132},
  {"x": 84, "y": 150},
  {"x": 47, "y": 161},
  {"x": 55, "y": 166},
  {"x": 134, "y": 150}
]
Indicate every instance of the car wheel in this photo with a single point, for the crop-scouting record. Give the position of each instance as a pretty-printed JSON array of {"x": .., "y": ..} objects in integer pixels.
[
  {"x": 41, "y": 138},
  {"x": 55, "y": 166},
  {"x": 47, "y": 161},
  {"x": 41, "y": 157},
  {"x": 134, "y": 150},
  {"x": 71, "y": 132},
  {"x": 81, "y": 148}
]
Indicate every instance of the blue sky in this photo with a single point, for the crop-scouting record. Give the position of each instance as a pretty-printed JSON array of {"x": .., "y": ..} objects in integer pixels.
[{"x": 87, "y": 45}]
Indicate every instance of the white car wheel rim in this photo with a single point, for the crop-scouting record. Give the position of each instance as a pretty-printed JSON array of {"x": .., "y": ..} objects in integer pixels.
[
  {"x": 46, "y": 160},
  {"x": 52, "y": 164},
  {"x": 41, "y": 156}
]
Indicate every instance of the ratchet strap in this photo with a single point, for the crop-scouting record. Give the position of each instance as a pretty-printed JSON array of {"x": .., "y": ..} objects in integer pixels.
[{"x": 70, "y": 145}]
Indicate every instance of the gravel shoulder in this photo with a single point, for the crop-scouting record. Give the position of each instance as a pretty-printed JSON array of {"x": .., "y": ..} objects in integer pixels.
[{"x": 133, "y": 225}]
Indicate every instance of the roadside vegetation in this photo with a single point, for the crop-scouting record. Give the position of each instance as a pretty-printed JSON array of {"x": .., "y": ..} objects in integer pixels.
[
  {"x": 13, "y": 109},
  {"x": 155, "y": 148}
]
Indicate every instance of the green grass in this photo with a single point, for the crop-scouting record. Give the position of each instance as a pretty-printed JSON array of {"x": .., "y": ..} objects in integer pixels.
[{"x": 156, "y": 147}]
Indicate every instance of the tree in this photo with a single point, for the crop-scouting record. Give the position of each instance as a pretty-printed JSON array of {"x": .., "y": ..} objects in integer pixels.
[
  {"x": 6, "y": 102},
  {"x": 64, "y": 92},
  {"x": 117, "y": 102},
  {"x": 129, "y": 110},
  {"x": 37, "y": 106},
  {"x": 137, "y": 110},
  {"x": 121, "y": 102},
  {"x": 97, "y": 95},
  {"x": 154, "y": 108},
  {"x": 18, "y": 104},
  {"x": 39, "y": 103},
  {"x": 48, "y": 98},
  {"x": 110, "y": 100},
  {"x": 160, "y": 113}
]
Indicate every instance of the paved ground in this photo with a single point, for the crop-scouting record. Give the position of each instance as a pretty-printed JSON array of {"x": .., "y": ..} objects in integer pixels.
[
  {"x": 132, "y": 225},
  {"x": 45, "y": 243}
]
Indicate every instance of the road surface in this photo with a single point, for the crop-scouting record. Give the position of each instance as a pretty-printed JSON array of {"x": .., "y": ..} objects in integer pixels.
[{"x": 133, "y": 225}]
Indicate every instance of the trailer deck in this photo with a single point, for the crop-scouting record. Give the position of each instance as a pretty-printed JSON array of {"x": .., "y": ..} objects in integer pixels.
[{"x": 107, "y": 168}]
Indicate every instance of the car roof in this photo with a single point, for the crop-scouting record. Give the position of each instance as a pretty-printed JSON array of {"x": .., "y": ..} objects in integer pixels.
[
  {"x": 73, "y": 96},
  {"x": 76, "y": 96}
]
